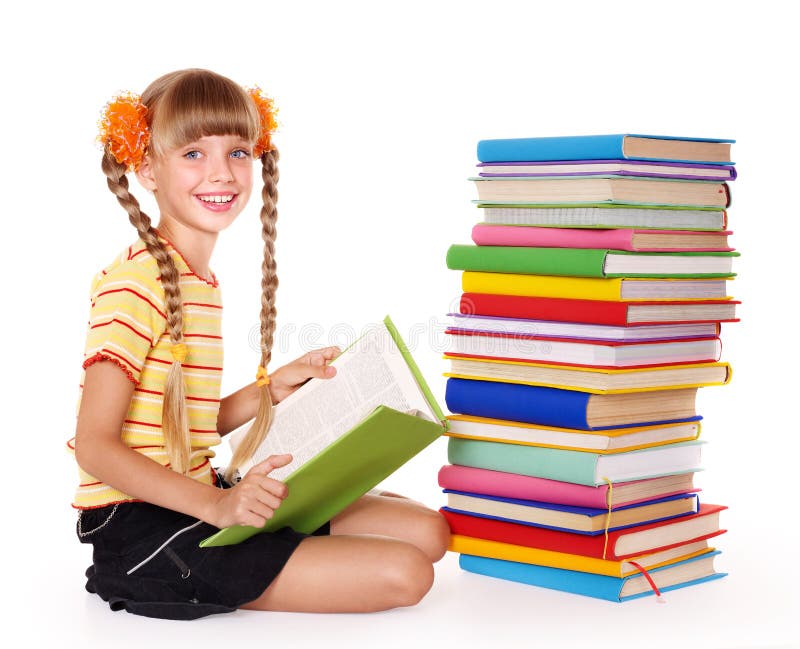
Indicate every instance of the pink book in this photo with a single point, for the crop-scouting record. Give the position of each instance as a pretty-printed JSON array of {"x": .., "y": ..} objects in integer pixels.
[
  {"x": 512, "y": 485},
  {"x": 484, "y": 234}
]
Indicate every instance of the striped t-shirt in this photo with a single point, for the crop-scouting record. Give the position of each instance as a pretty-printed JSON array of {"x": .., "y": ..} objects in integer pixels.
[{"x": 127, "y": 326}]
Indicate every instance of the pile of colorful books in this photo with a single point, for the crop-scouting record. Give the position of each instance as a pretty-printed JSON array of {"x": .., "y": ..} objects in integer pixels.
[{"x": 591, "y": 313}]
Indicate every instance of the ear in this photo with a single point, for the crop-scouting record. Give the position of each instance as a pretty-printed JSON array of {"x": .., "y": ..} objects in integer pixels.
[{"x": 145, "y": 176}]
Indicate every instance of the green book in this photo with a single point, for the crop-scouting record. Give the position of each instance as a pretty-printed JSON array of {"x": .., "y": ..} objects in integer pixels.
[
  {"x": 346, "y": 434},
  {"x": 589, "y": 262}
]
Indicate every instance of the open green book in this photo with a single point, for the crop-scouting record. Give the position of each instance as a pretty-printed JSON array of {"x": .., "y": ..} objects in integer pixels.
[{"x": 345, "y": 434}]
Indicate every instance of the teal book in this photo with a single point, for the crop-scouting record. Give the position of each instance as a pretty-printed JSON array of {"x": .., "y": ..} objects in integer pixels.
[
  {"x": 689, "y": 572},
  {"x": 589, "y": 262},
  {"x": 577, "y": 467},
  {"x": 346, "y": 434},
  {"x": 627, "y": 146}
]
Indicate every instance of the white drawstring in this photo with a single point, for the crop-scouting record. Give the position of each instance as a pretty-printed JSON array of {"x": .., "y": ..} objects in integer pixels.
[{"x": 162, "y": 546}]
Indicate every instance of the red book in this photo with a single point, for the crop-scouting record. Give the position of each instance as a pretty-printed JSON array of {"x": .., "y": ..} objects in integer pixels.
[
  {"x": 601, "y": 312},
  {"x": 628, "y": 542}
]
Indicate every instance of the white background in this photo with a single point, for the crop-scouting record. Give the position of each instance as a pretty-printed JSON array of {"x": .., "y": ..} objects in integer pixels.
[{"x": 381, "y": 106}]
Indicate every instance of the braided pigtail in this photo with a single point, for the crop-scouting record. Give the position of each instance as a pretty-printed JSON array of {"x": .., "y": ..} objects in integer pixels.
[
  {"x": 269, "y": 286},
  {"x": 174, "y": 421}
]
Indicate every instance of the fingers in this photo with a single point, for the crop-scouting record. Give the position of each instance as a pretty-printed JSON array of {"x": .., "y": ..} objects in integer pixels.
[
  {"x": 260, "y": 498},
  {"x": 271, "y": 463},
  {"x": 318, "y": 361},
  {"x": 253, "y": 501},
  {"x": 309, "y": 366}
]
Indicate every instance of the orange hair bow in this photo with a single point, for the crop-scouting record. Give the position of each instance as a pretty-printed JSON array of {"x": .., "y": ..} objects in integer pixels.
[
  {"x": 124, "y": 130},
  {"x": 268, "y": 123}
]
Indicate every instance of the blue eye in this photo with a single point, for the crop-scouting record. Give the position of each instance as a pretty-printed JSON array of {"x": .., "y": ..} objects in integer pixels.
[
  {"x": 240, "y": 154},
  {"x": 192, "y": 155}
]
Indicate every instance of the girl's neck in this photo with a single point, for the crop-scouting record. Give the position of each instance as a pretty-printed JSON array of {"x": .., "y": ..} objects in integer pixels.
[{"x": 194, "y": 246}]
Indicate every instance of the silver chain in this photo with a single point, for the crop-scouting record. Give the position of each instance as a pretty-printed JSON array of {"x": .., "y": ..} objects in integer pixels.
[{"x": 83, "y": 534}]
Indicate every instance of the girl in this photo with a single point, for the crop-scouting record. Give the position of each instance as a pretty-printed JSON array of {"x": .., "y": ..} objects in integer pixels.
[{"x": 150, "y": 409}]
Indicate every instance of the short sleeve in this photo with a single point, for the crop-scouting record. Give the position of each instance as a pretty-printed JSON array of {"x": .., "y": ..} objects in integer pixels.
[{"x": 126, "y": 318}]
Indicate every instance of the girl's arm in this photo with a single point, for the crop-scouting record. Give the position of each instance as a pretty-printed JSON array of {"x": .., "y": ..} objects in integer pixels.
[
  {"x": 100, "y": 451},
  {"x": 241, "y": 406}
]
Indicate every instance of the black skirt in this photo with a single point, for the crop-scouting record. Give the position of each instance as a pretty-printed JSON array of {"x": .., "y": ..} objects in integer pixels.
[{"x": 147, "y": 560}]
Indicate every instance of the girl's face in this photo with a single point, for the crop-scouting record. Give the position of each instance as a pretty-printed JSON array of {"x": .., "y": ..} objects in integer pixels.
[{"x": 203, "y": 185}]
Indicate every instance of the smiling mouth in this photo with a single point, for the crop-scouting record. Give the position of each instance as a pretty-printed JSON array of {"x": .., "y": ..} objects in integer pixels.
[{"x": 223, "y": 198}]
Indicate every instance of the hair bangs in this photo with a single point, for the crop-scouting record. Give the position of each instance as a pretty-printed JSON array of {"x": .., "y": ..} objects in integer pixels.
[{"x": 198, "y": 103}]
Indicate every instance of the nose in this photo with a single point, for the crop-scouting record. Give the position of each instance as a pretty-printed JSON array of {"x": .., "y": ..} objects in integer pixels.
[{"x": 220, "y": 171}]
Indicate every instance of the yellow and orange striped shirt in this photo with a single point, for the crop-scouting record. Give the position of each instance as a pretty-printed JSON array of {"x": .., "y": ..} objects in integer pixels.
[{"x": 127, "y": 326}]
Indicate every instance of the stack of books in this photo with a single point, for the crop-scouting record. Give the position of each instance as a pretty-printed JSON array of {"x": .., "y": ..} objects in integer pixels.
[{"x": 591, "y": 313}]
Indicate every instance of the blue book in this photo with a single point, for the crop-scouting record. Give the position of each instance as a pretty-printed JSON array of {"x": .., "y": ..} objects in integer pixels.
[
  {"x": 680, "y": 574},
  {"x": 605, "y": 147},
  {"x": 533, "y": 404},
  {"x": 577, "y": 467},
  {"x": 570, "y": 518}
]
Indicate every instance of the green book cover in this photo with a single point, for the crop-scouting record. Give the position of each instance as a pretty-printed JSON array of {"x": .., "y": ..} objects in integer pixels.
[
  {"x": 570, "y": 262},
  {"x": 350, "y": 466}
]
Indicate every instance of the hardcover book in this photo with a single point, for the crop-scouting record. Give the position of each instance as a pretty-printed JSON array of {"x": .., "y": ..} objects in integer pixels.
[
  {"x": 611, "y": 440},
  {"x": 688, "y": 572},
  {"x": 685, "y": 171},
  {"x": 582, "y": 379},
  {"x": 514, "y": 485},
  {"x": 621, "y": 544},
  {"x": 588, "y": 262},
  {"x": 620, "y": 568},
  {"x": 568, "y": 518},
  {"x": 472, "y": 322},
  {"x": 626, "y": 146},
  {"x": 384, "y": 412},
  {"x": 598, "y": 312},
  {"x": 594, "y": 288},
  {"x": 586, "y": 190},
  {"x": 484, "y": 234},
  {"x": 589, "y": 353},
  {"x": 568, "y": 408},
  {"x": 576, "y": 466}
]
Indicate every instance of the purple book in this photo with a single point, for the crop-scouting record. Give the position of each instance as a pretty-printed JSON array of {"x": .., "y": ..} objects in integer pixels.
[{"x": 680, "y": 170}]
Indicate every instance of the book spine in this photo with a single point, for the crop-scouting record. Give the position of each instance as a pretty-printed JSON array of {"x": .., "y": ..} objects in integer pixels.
[
  {"x": 517, "y": 235},
  {"x": 524, "y": 403},
  {"x": 545, "y": 308},
  {"x": 529, "y": 536},
  {"x": 524, "y": 554},
  {"x": 570, "y": 581},
  {"x": 513, "y": 485},
  {"x": 569, "y": 262},
  {"x": 580, "y": 288},
  {"x": 577, "y": 467},
  {"x": 589, "y": 147}
]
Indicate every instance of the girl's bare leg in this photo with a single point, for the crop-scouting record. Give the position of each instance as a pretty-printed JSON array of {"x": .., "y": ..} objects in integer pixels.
[
  {"x": 396, "y": 517},
  {"x": 348, "y": 574}
]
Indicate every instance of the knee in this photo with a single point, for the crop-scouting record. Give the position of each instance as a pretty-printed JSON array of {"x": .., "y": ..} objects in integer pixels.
[
  {"x": 436, "y": 535},
  {"x": 408, "y": 577}
]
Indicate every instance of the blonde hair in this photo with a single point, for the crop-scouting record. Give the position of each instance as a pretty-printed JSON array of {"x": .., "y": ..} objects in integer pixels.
[{"x": 182, "y": 107}]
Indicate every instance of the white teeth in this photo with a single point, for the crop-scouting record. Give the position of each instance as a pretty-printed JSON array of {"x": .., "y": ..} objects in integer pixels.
[{"x": 216, "y": 199}]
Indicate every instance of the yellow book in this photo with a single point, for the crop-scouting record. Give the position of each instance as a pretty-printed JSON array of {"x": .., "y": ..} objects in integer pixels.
[
  {"x": 580, "y": 563},
  {"x": 592, "y": 288},
  {"x": 590, "y": 379}
]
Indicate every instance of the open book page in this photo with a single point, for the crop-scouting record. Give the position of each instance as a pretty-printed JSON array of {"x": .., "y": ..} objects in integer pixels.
[{"x": 370, "y": 373}]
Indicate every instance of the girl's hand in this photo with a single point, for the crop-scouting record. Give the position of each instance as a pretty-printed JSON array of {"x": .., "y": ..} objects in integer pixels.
[
  {"x": 314, "y": 364},
  {"x": 254, "y": 499}
]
